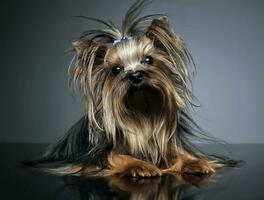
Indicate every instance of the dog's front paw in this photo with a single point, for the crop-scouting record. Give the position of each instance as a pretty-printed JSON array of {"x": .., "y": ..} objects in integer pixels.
[
  {"x": 198, "y": 167},
  {"x": 144, "y": 170},
  {"x": 124, "y": 165}
]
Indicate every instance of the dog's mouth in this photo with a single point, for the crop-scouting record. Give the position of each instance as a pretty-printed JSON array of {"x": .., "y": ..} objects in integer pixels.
[{"x": 144, "y": 100}]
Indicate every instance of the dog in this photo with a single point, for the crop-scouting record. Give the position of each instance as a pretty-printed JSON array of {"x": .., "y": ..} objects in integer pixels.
[{"x": 136, "y": 83}]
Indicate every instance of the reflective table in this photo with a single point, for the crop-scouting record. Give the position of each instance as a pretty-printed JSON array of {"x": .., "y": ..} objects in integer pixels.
[{"x": 244, "y": 182}]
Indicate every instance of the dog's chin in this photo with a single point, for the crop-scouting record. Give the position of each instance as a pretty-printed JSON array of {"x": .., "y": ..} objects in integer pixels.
[{"x": 144, "y": 100}]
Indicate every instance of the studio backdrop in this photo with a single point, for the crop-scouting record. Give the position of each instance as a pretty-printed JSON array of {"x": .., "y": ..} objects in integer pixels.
[{"x": 225, "y": 39}]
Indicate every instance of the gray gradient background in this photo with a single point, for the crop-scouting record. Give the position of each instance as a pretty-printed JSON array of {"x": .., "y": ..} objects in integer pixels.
[{"x": 224, "y": 36}]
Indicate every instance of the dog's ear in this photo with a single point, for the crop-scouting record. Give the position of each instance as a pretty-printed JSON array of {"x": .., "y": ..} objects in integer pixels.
[
  {"x": 163, "y": 36},
  {"x": 89, "y": 56},
  {"x": 163, "y": 19},
  {"x": 89, "y": 52}
]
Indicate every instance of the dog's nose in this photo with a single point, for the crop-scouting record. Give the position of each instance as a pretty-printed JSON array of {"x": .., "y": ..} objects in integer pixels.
[{"x": 136, "y": 77}]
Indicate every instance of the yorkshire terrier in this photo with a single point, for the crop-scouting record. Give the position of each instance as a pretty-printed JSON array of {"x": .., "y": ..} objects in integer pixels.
[{"x": 136, "y": 82}]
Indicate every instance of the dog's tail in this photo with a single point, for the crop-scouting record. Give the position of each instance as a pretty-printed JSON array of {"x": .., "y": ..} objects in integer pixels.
[{"x": 79, "y": 147}]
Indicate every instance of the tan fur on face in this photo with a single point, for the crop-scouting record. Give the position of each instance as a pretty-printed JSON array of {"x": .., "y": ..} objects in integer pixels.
[{"x": 130, "y": 53}]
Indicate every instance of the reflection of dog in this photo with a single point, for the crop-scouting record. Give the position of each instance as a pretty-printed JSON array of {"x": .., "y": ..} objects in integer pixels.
[
  {"x": 136, "y": 84},
  {"x": 174, "y": 186}
]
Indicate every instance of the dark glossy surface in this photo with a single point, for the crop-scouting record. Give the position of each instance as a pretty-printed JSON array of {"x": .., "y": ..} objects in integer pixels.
[{"x": 236, "y": 183}]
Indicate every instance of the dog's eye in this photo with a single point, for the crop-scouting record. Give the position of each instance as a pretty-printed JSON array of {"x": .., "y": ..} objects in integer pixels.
[
  {"x": 147, "y": 60},
  {"x": 117, "y": 69}
]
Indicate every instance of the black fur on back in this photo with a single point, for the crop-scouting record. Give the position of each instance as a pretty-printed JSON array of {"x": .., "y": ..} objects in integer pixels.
[{"x": 80, "y": 146}]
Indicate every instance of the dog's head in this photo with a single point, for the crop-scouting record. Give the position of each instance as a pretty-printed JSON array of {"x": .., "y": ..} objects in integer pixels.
[{"x": 135, "y": 81}]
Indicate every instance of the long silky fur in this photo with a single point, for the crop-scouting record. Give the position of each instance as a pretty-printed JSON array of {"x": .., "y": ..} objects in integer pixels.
[
  {"x": 90, "y": 140},
  {"x": 77, "y": 148}
]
